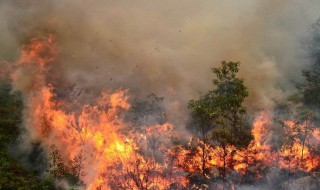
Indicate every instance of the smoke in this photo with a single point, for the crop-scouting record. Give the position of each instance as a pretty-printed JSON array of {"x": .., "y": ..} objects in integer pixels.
[
  {"x": 166, "y": 47},
  {"x": 313, "y": 45}
]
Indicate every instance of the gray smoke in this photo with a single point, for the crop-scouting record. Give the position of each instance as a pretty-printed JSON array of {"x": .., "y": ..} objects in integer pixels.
[{"x": 166, "y": 47}]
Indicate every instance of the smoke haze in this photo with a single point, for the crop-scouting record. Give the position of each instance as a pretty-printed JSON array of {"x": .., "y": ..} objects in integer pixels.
[
  {"x": 163, "y": 47},
  {"x": 166, "y": 47}
]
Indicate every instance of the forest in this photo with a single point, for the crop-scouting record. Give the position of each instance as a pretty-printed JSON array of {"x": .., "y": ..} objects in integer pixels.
[{"x": 115, "y": 95}]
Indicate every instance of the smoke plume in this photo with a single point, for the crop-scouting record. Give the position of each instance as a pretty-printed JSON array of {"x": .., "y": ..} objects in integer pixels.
[
  {"x": 142, "y": 47},
  {"x": 166, "y": 47}
]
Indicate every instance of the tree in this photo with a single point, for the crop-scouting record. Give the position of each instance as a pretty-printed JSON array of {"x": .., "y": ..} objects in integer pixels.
[
  {"x": 300, "y": 120},
  {"x": 221, "y": 118},
  {"x": 309, "y": 92}
]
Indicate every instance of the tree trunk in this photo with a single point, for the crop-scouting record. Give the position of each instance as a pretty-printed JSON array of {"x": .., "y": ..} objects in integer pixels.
[
  {"x": 203, "y": 160},
  {"x": 224, "y": 162}
]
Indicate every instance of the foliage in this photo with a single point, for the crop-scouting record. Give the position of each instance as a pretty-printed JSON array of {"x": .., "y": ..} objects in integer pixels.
[
  {"x": 220, "y": 117},
  {"x": 13, "y": 176},
  {"x": 221, "y": 109},
  {"x": 10, "y": 115}
]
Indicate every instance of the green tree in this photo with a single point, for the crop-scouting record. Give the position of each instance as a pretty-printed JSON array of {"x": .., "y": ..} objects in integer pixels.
[{"x": 221, "y": 118}]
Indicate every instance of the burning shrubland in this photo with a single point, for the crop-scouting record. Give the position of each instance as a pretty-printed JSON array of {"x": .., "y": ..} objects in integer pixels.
[
  {"x": 111, "y": 143},
  {"x": 93, "y": 143},
  {"x": 99, "y": 113}
]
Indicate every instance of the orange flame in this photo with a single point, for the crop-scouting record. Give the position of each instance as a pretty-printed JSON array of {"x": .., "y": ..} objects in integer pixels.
[
  {"x": 257, "y": 156},
  {"x": 95, "y": 144},
  {"x": 91, "y": 138}
]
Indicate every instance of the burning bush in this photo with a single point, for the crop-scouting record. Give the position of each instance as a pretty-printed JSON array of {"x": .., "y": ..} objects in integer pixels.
[{"x": 101, "y": 148}]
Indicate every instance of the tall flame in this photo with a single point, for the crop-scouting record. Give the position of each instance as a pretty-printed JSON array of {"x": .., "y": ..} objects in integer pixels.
[
  {"x": 95, "y": 144},
  {"x": 88, "y": 144}
]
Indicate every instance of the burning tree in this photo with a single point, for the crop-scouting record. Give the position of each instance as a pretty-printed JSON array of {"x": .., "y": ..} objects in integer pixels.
[
  {"x": 220, "y": 117},
  {"x": 111, "y": 144}
]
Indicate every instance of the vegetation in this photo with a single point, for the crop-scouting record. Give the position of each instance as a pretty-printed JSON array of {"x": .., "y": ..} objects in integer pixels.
[
  {"x": 219, "y": 121},
  {"x": 309, "y": 91},
  {"x": 302, "y": 111},
  {"x": 220, "y": 117},
  {"x": 13, "y": 176}
]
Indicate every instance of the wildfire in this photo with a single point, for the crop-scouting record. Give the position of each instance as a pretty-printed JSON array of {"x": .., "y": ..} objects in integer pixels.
[
  {"x": 87, "y": 144},
  {"x": 256, "y": 157},
  {"x": 40, "y": 51},
  {"x": 91, "y": 143}
]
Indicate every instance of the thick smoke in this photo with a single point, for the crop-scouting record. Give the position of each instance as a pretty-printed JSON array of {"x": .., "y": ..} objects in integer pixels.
[{"x": 166, "y": 47}]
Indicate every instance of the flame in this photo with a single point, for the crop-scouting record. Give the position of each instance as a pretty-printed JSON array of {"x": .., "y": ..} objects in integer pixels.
[
  {"x": 257, "y": 156},
  {"x": 40, "y": 51},
  {"x": 91, "y": 137},
  {"x": 297, "y": 156},
  {"x": 95, "y": 144}
]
